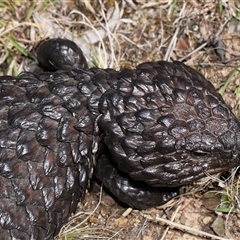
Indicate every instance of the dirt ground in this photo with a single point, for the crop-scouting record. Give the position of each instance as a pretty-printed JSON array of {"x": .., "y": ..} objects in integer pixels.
[{"x": 204, "y": 35}]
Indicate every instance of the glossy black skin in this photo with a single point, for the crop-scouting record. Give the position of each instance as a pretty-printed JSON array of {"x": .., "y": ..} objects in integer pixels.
[
  {"x": 166, "y": 125},
  {"x": 136, "y": 194},
  {"x": 60, "y": 54},
  {"x": 163, "y": 124}
]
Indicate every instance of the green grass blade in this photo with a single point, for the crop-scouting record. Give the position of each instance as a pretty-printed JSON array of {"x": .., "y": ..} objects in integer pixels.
[
  {"x": 18, "y": 46},
  {"x": 232, "y": 75}
]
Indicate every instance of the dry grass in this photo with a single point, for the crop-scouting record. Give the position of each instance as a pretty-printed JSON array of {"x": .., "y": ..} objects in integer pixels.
[{"x": 124, "y": 33}]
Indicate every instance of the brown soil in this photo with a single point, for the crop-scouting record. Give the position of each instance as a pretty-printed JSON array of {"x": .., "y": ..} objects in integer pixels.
[{"x": 130, "y": 32}]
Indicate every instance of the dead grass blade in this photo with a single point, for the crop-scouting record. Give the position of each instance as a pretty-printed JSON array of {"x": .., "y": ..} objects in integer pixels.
[{"x": 184, "y": 228}]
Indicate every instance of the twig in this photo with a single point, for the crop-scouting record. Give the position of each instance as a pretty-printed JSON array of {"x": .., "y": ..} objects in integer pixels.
[{"x": 186, "y": 228}]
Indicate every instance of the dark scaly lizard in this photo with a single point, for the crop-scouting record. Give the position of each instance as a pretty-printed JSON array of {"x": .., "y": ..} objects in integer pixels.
[{"x": 162, "y": 124}]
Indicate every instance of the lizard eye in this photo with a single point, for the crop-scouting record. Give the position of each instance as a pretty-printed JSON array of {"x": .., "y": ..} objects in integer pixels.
[{"x": 199, "y": 153}]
